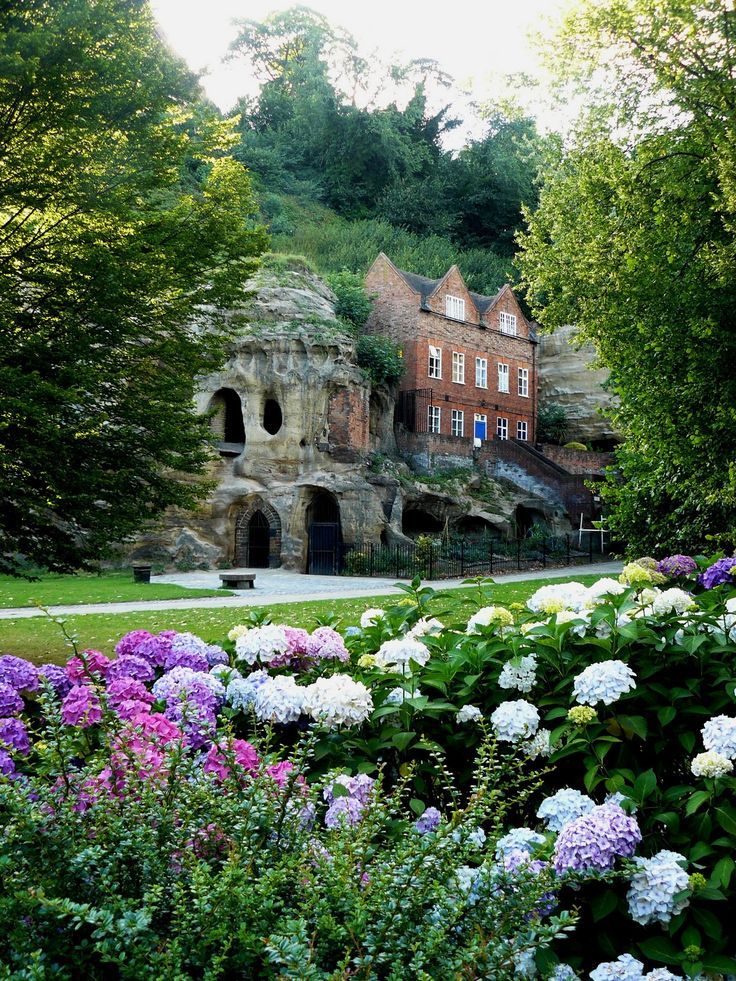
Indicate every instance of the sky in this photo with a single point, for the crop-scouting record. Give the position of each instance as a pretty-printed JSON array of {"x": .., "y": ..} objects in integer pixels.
[{"x": 479, "y": 42}]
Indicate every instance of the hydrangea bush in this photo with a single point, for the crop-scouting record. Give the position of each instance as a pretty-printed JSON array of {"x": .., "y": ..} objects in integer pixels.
[{"x": 462, "y": 785}]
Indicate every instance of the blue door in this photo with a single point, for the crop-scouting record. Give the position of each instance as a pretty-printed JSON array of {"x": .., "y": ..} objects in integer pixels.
[{"x": 480, "y": 427}]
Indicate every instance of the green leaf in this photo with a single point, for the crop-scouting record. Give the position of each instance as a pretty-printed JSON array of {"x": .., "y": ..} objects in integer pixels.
[
  {"x": 603, "y": 904},
  {"x": 402, "y": 740},
  {"x": 660, "y": 949}
]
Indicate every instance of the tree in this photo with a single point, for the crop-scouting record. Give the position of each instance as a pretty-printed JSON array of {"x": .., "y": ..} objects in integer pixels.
[
  {"x": 634, "y": 242},
  {"x": 123, "y": 230}
]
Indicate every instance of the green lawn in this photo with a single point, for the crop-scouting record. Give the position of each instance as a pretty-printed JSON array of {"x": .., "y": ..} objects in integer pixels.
[
  {"x": 41, "y": 640},
  {"x": 109, "y": 587}
]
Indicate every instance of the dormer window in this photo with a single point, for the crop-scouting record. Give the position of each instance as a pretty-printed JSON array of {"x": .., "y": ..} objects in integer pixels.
[
  {"x": 455, "y": 308},
  {"x": 507, "y": 323}
]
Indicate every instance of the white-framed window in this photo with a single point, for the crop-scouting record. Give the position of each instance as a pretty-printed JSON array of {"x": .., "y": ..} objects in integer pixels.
[
  {"x": 434, "y": 414},
  {"x": 502, "y": 428},
  {"x": 524, "y": 382},
  {"x": 480, "y": 426},
  {"x": 503, "y": 377},
  {"x": 454, "y": 307},
  {"x": 507, "y": 322},
  {"x": 481, "y": 372},
  {"x": 458, "y": 422},
  {"x": 435, "y": 362},
  {"x": 458, "y": 367},
  {"x": 522, "y": 430}
]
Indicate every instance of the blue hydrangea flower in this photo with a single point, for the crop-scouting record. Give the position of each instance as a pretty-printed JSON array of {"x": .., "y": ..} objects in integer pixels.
[
  {"x": 518, "y": 839},
  {"x": 655, "y": 891},
  {"x": 624, "y": 968},
  {"x": 563, "y": 807},
  {"x": 428, "y": 821}
]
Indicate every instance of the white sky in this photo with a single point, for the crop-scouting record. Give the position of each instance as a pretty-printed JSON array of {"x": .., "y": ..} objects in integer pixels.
[{"x": 478, "y": 42}]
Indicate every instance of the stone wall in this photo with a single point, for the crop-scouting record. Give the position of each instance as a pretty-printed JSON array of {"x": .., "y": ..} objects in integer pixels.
[{"x": 578, "y": 461}]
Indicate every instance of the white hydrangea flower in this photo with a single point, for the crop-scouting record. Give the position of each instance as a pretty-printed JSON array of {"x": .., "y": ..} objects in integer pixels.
[
  {"x": 427, "y": 625},
  {"x": 600, "y": 591},
  {"x": 525, "y": 628},
  {"x": 618, "y": 799},
  {"x": 624, "y": 968},
  {"x": 719, "y": 734},
  {"x": 371, "y": 617},
  {"x": 604, "y": 682},
  {"x": 519, "y": 673},
  {"x": 395, "y": 655},
  {"x": 490, "y": 616},
  {"x": 557, "y": 597},
  {"x": 468, "y": 713},
  {"x": 279, "y": 700},
  {"x": 179, "y": 678},
  {"x": 648, "y": 596},
  {"x": 225, "y": 673},
  {"x": 465, "y": 878},
  {"x": 525, "y": 964},
  {"x": 261, "y": 644},
  {"x": 673, "y": 601},
  {"x": 337, "y": 701},
  {"x": 475, "y": 837},
  {"x": 580, "y": 619},
  {"x": 518, "y": 840},
  {"x": 515, "y": 720},
  {"x": 711, "y": 764},
  {"x": 654, "y": 887},
  {"x": 563, "y": 807},
  {"x": 662, "y": 974},
  {"x": 538, "y": 745},
  {"x": 397, "y": 696}
]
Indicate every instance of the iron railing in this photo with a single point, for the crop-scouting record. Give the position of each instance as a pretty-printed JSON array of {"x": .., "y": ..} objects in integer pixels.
[{"x": 462, "y": 558}]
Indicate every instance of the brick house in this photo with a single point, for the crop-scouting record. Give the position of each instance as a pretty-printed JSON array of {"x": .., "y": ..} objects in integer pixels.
[{"x": 470, "y": 359}]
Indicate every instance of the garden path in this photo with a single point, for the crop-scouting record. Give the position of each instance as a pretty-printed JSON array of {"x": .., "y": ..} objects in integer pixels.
[{"x": 279, "y": 586}]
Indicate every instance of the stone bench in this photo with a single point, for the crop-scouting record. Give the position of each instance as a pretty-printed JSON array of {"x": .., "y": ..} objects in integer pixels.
[{"x": 237, "y": 580}]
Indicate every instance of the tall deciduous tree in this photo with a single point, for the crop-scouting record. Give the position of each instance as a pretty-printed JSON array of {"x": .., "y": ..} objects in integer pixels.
[
  {"x": 634, "y": 242},
  {"x": 120, "y": 219}
]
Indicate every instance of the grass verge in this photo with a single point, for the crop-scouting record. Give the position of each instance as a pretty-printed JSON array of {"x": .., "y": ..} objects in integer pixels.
[
  {"x": 42, "y": 640},
  {"x": 109, "y": 587}
]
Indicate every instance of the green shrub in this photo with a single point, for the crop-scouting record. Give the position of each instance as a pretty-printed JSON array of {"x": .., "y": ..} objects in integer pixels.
[
  {"x": 574, "y": 445},
  {"x": 353, "y": 303},
  {"x": 380, "y": 358},
  {"x": 552, "y": 423}
]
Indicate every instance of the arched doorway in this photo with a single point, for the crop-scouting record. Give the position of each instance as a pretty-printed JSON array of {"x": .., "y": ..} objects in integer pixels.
[
  {"x": 324, "y": 531},
  {"x": 257, "y": 536},
  {"x": 227, "y": 421},
  {"x": 258, "y": 541}
]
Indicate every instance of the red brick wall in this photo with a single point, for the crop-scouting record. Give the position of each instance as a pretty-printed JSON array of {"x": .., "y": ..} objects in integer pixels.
[
  {"x": 397, "y": 314},
  {"x": 578, "y": 461},
  {"x": 348, "y": 417}
]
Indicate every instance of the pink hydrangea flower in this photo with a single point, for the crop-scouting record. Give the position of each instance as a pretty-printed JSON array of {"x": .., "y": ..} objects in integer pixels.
[
  {"x": 217, "y": 758},
  {"x": 97, "y": 665}
]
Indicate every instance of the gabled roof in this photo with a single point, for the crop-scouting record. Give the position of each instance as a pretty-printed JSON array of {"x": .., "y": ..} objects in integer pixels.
[{"x": 420, "y": 284}]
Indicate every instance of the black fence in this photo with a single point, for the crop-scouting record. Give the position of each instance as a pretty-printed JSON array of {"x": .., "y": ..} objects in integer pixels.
[{"x": 462, "y": 558}]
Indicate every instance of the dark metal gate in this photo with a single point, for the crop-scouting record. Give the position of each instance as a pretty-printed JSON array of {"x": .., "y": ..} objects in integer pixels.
[
  {"x": 259, "y": 543},
  {"x": 324, "y": 556}
]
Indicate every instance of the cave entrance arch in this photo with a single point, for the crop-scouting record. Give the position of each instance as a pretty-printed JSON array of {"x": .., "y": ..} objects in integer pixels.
[
  {"x": 257, "y": 536},
  {"x": 226, "y": 421},
  {"x": 324, "y": 535},
  {"x": 527, "y": 519}
]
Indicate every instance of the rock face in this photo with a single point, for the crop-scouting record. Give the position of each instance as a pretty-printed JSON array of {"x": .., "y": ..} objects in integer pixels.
[
  {"x": 566, "y": 379},
  {"x": 296, "y": 425}
]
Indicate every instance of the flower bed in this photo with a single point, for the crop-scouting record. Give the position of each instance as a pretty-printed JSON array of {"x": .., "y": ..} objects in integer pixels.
[{"x": 416, "y": 796}]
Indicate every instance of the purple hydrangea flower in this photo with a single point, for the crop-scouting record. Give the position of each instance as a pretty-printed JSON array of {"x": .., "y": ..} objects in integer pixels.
[
  {"x": 186, "y": 659},
  {"x": 595, "y": 840},
  {"x": 18, "y": 673},
  {"x": 327, "y": 644},
  {"x": 57, "y": 677},
  {"x": 720, "y": 573},
  {"x": 344, "y": 811},
  {"x": 142, "y": 643},
  {"x": 81, "y": 707},
  {"x": 677, "y": 565},
  {"x": 193, "y": 644},
  {"x": 428, "y": 821},
  {"x": 7, "y": 766},
  {"x": 361, "y": 787},
  {"x": 130, "y": 666},
  {"x": 14, "y": 736},
  {"x": 10, "y": 701}
]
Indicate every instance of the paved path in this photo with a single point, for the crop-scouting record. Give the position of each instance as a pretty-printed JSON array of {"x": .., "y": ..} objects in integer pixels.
[{"x": 277, "y": 586}]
